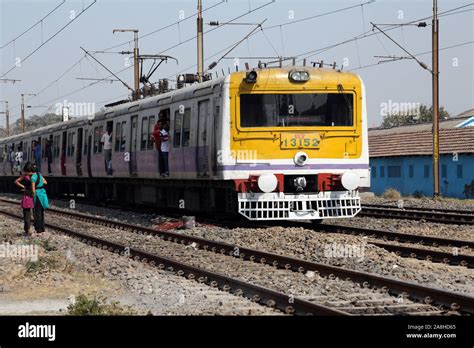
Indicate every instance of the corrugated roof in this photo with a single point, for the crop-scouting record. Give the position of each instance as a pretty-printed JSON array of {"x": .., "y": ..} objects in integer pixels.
[{"x": 420, "y": 142}]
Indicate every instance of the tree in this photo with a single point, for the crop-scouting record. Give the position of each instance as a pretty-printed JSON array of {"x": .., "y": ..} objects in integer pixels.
[
  {"x": 421, "y": 114},
  {"x": 33, "y": 122}
]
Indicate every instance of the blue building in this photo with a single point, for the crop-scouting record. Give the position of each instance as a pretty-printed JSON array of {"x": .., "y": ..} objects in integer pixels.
[{"x": 401, "y": 158}]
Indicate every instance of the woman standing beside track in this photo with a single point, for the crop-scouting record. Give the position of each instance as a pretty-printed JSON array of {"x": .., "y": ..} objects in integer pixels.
[
  {"x": 41, "y": 199},
  {"x": 27, "y": 201}
]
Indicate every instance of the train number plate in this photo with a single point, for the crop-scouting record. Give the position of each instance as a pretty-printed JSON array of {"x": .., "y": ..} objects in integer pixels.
[{"x": 300, "y": 140}]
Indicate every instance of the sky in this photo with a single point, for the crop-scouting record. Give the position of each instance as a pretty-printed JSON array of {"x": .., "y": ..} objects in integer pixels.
[{"x": 52, "y": 71}]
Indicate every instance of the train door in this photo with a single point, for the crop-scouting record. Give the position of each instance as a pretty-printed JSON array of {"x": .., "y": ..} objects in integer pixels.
[
  {"x": 215, "y": 135},
  {"x": 133, "y": 145},
  {"x": 79, "y": 152},
  {"x": 63, "y": 153},
  {"x": 89, "y": 151},
  {"x": 202, "y": 139}
]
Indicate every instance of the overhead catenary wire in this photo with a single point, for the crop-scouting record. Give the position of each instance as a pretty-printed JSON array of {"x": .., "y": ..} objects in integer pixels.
[
  {"x": 34, "y": 25},
  {"x": 50, "y": 38},
  {"x": 122, "y": 70}
]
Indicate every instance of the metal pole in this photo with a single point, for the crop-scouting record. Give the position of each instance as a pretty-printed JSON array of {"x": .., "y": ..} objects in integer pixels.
[
  {"x": 136, "y": 67},
  {"x": 435, "y": 74},
  {"x": 7, "y": 116},
  {"x": 136, "y": 63},
  {"x": 23, "y": 110},
  {"x": 23, "y": 113},
  {"x": 200, "y": 44}
]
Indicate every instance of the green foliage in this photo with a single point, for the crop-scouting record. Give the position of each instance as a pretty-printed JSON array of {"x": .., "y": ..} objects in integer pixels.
[
  {"x": 413, "y": 116},
  {"x": 43, "y": 263},
  {"x": 97, "y": 306}
]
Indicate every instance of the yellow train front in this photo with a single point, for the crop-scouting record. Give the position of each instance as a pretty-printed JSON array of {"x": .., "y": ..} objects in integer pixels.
[{"x": 295, "y": 143}]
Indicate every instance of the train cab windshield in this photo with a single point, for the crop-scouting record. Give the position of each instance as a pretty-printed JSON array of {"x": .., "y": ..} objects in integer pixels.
[{"x": 292, "y": 110}]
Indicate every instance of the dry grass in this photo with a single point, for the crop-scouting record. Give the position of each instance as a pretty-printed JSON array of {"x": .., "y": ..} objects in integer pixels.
[{"x": 391, "y": 194}]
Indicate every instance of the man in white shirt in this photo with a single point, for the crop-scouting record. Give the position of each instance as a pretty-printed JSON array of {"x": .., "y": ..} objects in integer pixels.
[
  {"x": 165, "y": 148},
  {"x": 107, "y": 146}
]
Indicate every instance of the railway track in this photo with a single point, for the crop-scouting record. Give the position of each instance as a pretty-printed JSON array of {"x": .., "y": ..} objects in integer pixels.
[
  {"x": 449, "y": 301},
  {"x": 452, "y": 258},
  {"x": 439, "y": 216}
]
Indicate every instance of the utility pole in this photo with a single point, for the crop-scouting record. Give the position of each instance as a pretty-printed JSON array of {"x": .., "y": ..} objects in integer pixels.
[
  {"x": 435, "y": 76},
  {"x": 23, "y": 110},
  {"x": 200, "y": 44},
  {"x": 136, "y": 68},
  {"x": 7, "y": 117}
]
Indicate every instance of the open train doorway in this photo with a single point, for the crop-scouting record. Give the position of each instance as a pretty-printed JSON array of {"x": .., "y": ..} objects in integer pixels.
[
  {"x": 133, "y": 145},
  {"x": 79, "y": 152},
  {"x": 63, "y": 153}
]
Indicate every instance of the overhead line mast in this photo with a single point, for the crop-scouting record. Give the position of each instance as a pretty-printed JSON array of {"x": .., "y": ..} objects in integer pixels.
[{"x": 200, "y": 44}]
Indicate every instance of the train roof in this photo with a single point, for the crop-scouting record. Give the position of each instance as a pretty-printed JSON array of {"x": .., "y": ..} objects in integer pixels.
[{"x": 323, "y": 74}]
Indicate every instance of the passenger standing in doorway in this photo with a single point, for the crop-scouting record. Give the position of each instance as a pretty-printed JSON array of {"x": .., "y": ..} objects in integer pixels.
[
  {"x": 18, "y": 159},
  {"x": 27, "y": 201},
  {"x": 107, "y": 143},
  {"x": 157, "y": 139},
  {"x": 37, "y": 154},
  {"x": 40, "y": 197},
  {"x": 49, "y": 155},
  {"x": 165, "y": 148},
  {"x": 11, "y": 159}
]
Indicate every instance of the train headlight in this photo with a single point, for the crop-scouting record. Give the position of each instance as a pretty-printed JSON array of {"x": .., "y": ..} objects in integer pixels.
[
  {"x": 300, "y": 158},
  {"x": 267, "y": 182},
  {"x": 251, "y": 77},
  {"x": 350, "y": 180},
  {"x": 298, "y": 75}
]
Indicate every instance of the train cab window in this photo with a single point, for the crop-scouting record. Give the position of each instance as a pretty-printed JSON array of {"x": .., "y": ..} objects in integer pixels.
[
  {"x": 123, "y": 137},
  {"x": 118, "y": 135},
  {"x": 186, "y": 127},
  {"x": 101, "y": 132},
  {"x": 296, "y": 110},
  {"x": 96, "y": 139},
  {"x": 144, "y": 134},
  {"x": 178, "y": 125},
  {"x": 151, "y": 126}
]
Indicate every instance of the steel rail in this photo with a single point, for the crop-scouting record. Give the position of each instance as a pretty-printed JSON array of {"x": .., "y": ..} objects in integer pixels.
[
  {"x": 258, "y": 294},
  {"x": 430, "y": 295},
  {"x": 411, "y": 214}
]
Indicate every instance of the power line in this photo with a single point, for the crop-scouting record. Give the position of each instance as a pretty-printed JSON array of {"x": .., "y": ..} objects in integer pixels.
[
  {"x": 51, "y": 37},
  {"x": 320, "y": 15},
  {"x": 369, "y": 33},
  {"x": 34, "y": 25},
  {"x": 416, "y": 55},
  {"x": 163, "y": 28}
]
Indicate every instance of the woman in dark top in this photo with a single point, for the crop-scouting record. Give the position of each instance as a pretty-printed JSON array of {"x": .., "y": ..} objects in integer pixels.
[{"x": 27, "y": 201}]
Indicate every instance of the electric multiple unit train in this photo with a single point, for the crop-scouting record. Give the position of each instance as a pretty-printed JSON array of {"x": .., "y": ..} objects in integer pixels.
[{"x": 270, "y": 144}]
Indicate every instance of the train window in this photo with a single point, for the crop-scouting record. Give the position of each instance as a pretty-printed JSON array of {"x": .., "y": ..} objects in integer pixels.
[
  {"x": 101, "y": 132},
  {"x": 151, "y": 125},
  {"x": 86, "y": 141},
  {"x": 292, "y": 110},
  {"x": 186, "y": 127},
  {"x": 96, "y": 139},
  {"x": 118, "y": 134},
  {"x": 123, "y": 137},
  {"x": 144, "y": 135},
  {"x": 178, "y": 124}
]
